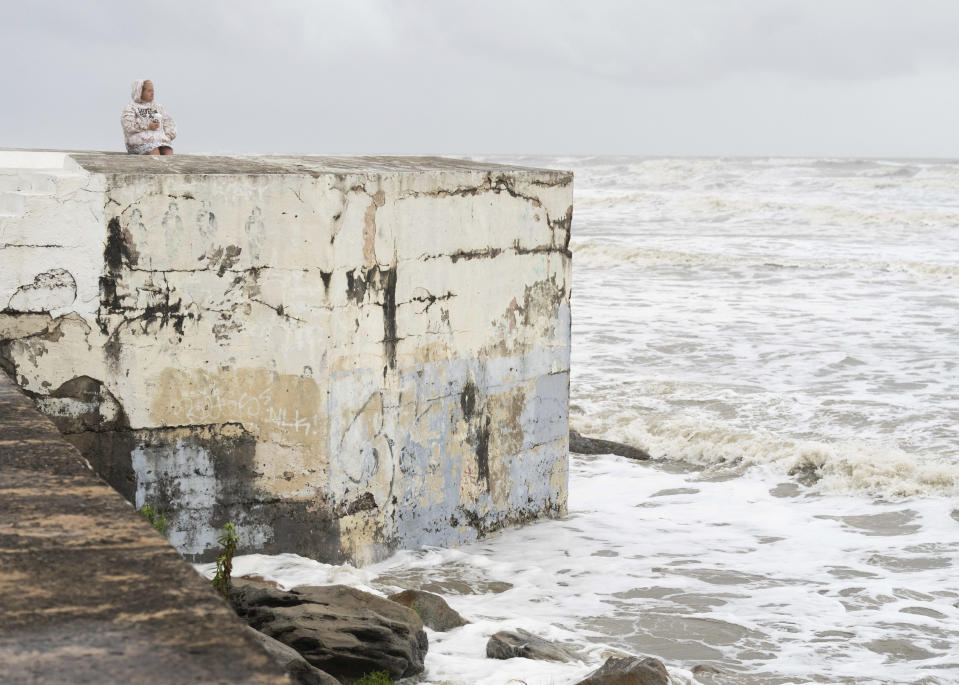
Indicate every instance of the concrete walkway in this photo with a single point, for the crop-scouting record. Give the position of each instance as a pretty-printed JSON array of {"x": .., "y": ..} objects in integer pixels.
[{"x": 90, "y": 593}]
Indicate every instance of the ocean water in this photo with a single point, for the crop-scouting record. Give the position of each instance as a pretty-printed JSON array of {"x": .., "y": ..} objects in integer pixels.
[{"x": 782, "y": 335}]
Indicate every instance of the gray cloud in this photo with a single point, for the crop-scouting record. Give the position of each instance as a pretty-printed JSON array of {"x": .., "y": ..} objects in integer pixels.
[
  {"x": 695, "y": 41},
  {"x": 856, "y": 77}
]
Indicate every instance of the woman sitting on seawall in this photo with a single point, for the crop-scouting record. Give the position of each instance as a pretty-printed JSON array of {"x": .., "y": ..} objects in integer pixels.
[{"x": 148, "y": 129}]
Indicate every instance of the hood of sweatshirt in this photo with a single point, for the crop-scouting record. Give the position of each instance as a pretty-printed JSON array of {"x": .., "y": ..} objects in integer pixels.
[{"x": 136, "y": 90}]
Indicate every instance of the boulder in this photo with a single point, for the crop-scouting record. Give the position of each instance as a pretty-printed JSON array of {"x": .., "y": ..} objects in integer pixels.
[
  {"x": 580, "y": 444},
  {"x": 631, "y": 670},
  {"x": 509, "y": 644},
  {"x": 341, "y": 630},
  {"x": 432, "y": 609},
  {"x": 292, "y": 663}
]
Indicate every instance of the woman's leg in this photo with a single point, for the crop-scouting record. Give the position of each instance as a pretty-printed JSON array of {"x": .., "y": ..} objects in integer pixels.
[
  {"x": 154, "y": 151},
  {"x": 166, "y": 150}
]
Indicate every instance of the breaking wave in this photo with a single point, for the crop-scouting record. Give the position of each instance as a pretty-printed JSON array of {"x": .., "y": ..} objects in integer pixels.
[
  {"x": 604, "y": 254},
  {"x": 844, "y": 467}
]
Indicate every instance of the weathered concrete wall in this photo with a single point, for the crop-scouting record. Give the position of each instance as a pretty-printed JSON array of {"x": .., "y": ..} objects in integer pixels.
[{"x": 344, "y": 356}]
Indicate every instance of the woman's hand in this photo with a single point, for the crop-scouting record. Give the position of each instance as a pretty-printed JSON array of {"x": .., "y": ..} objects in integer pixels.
[{"x": 154, "y": 125}]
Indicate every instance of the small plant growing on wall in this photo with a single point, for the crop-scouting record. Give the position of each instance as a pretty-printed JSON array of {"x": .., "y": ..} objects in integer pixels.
[
  {"x": 224, "y": 562},
  {"x": 154, "y": 518}
]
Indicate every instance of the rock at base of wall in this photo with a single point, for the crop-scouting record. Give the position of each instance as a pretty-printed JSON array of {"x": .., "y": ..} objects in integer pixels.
[
  {"x": 343, "y": 631},
  {"x": 292, "y": 663},
  {"x": 628, "y": 671},
  {"x": 508, "y": 644},
  {"x": 580, "y": 444},
  {"x": 432, "y": 609}
]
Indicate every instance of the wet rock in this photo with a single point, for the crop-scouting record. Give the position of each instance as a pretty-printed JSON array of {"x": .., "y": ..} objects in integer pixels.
[
  {"x": 432, "y": 609},
  {"x": 255, "y": 581},
  {"x": 628, "y": 671},
  {"x": 341, "y": 630},
  {"x": 705, "y": 669},
  {"x": 806, "y": 474},
  {"x": 580, "y": 444},
  {"x": 508, "y": 644},
  {"x": 292, "y": 663}
]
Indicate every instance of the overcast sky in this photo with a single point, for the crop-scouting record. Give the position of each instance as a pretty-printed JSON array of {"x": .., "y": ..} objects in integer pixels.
[{"x": 674, "y": 77}]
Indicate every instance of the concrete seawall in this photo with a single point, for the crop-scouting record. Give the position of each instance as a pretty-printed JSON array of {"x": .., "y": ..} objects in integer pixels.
[
  {"x": 89, "y": 592},
  {"x": 344, "y": 356}
]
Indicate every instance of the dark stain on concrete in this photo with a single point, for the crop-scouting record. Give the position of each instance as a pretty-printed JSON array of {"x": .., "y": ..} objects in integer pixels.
[
  {"x": 543, "y": 249},
  {"x": 109, "y": 300},
  {"x": 468, "y": 399},
  {"x": 479, "y": 428},
  {"x": 364, "y": 502},
  {"x": 357, "y": 282},
  {"x": 358, "y": 285},
  {"x": 563, "y": 224},
  {"x": 231, "y": 255},
  {"x": 119, "y": 251},
  {"x": 487, "y": 523},
  {"x": 119, "y": 308},
  {"x": 306, "y": 528},
  {"x": 389, "y": 316},
  {"x": 482, "y": 449},
  {"x": 116, "y": 256},
  {"x": 467, "y": 255},
  {"x": 166, "y": 311}
]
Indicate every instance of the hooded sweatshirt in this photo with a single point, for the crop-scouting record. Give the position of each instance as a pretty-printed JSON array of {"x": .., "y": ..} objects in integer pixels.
[{"x": 136, "y": 120}]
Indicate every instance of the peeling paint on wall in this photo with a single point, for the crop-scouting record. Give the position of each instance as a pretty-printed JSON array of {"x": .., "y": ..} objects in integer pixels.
[{"x": 50, "y": 290}]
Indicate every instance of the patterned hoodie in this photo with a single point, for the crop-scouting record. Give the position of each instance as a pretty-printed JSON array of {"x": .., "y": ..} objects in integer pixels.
[{"x": 136, "y": 120}]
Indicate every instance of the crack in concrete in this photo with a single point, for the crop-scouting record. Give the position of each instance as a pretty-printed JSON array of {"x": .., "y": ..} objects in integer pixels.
[
  {"x": 429, "y": 298},
  {"x": 493, "y": 252},
  {"x": 278, "y": 309},
  {"x": 6, "y": 245}
]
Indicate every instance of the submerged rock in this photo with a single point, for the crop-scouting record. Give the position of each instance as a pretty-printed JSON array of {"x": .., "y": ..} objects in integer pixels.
[
  {"x": 258, "y": 581},
  {"x": 341, "y": 630},
  {"x": 509, "y": 644},
  {"x": 628, "y": 671},
  {"x": 580, "y": 444},
  {"x": 292, "y": 662},
  {"x": 705, "y": 671},
  {"x": 432, "y": 609}
]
